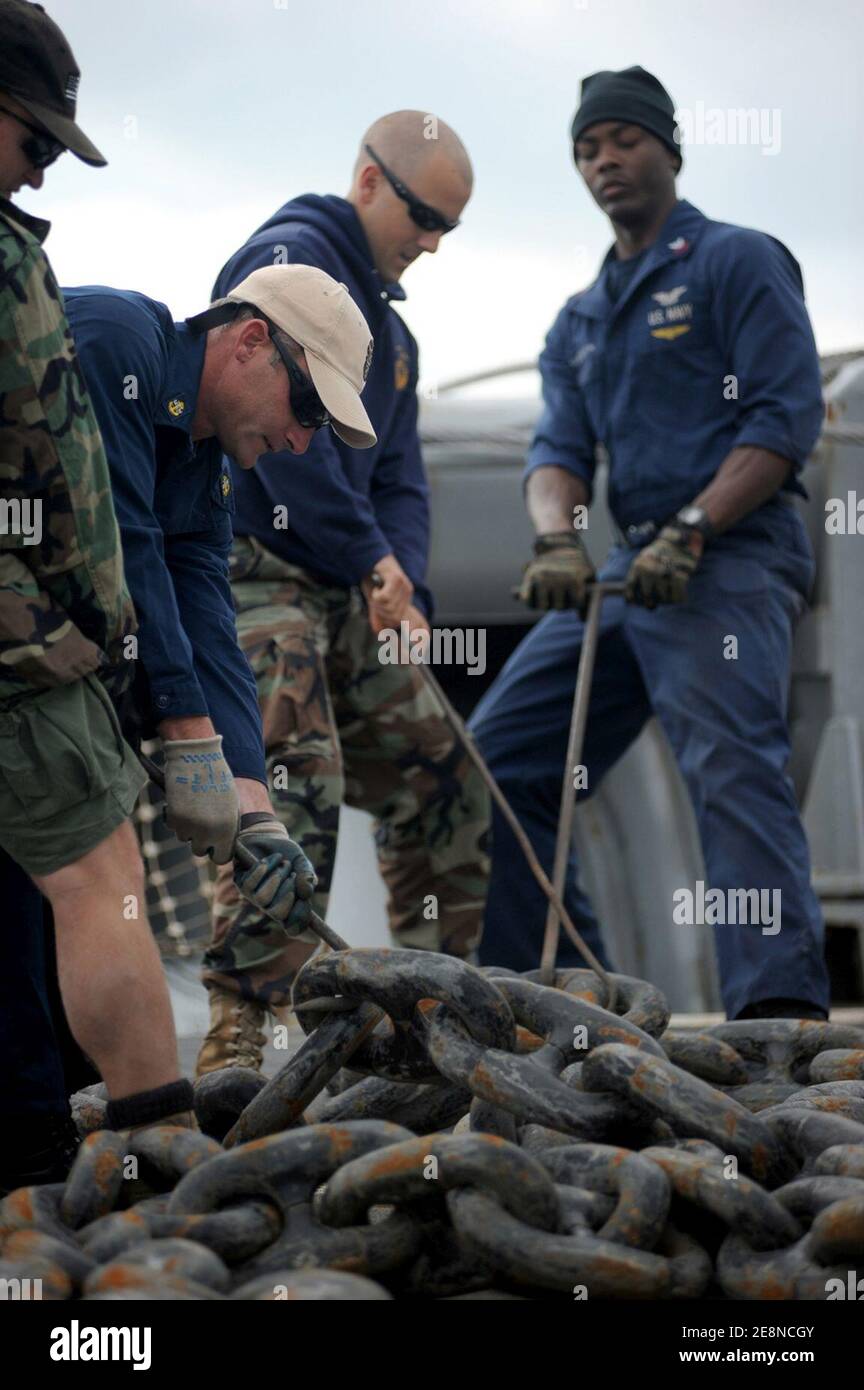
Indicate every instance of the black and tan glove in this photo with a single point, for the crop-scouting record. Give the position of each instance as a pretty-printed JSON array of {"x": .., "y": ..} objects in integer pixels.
[
  {"x": 661, "y": 572},
  {"x": 559, "y": 575},
  {"x": 283, "y": 880}
]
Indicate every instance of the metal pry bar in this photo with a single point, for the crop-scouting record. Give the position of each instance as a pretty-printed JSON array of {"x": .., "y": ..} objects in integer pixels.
[
  {"x": 248, "y": 860},
  {"x": 550, "y": 891},
  {"x": 581, "y": 699}
]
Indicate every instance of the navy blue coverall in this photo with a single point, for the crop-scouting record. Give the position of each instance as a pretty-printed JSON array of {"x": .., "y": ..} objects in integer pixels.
[
  {"x": 174, "y": 502},
  {"x": 708, "y": 347},
  {"x": 347, "y": 507}
]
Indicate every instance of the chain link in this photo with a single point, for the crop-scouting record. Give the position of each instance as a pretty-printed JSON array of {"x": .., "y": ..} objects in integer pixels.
[{"x": 591, "y": 1149}]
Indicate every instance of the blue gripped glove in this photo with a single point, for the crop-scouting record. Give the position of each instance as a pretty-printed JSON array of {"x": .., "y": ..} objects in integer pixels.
[{"x": 283, "y": 880}]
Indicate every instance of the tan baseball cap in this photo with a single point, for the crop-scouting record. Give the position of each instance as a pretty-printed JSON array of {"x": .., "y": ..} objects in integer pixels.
[{"x": 319, "y": 313}]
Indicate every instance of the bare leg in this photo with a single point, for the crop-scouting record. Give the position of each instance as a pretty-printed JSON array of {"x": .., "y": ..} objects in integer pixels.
[{"x": 109, "y": 969}]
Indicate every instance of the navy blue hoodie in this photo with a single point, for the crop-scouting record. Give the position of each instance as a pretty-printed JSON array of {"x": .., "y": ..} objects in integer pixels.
[{"x": 347, "y": 508}]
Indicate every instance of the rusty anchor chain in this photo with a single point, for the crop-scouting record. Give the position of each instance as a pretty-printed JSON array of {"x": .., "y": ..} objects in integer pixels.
[{"x": 445, "y": 1130}]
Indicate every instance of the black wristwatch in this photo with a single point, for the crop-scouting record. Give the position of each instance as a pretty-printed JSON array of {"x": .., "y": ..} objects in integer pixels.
[{"x": 696, "y": 518}]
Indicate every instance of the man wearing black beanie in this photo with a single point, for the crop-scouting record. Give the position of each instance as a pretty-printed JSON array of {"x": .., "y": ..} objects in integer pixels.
[
  {"x": 691, "y": 359},
  {"x": 633, "y": 97}
]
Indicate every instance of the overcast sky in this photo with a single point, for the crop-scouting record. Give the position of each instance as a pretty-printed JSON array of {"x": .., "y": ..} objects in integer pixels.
[{"x": 214, "y": 112}]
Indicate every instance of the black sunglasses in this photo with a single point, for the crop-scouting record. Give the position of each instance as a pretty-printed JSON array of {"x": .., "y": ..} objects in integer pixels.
[
  {"x": 426, "y": 217},
  {"x": 40, "y": 149},
  {"x": 309, "y": 410}
]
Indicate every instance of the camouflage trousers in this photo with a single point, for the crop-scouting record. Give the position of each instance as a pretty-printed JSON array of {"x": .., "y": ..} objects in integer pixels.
[{"x": 341, "y": 726}]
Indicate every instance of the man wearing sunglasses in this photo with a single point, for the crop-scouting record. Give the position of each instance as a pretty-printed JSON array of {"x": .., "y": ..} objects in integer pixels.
[
  {"x": 68, "y": 782},
  {"x": 339, "y": 724},
  {"x": 259, "y": 371}
]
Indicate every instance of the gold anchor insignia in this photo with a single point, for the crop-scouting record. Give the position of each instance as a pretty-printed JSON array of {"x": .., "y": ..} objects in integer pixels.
[{"x": 403, "y": 368}]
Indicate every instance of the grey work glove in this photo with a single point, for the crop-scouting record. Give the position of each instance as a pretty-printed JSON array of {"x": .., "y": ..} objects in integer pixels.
[
  {"x": 283, "y": 880},
  {"x": 559, "y": 574},
  {"x": 201, "y": 799}
]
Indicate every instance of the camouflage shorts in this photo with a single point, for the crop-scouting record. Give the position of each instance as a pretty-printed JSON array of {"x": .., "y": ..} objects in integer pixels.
[{"x": 341, "y": 726}]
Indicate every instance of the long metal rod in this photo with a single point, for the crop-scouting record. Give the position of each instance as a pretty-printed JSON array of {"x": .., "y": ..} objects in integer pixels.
[
  {"x": 578, "y": 721},
  {"x": 552, "y": 893},
  {"x": 462, "y": 732}
]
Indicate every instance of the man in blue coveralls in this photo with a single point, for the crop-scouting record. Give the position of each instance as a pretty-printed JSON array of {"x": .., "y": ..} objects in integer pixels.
[{"x": 691, "y": 359}]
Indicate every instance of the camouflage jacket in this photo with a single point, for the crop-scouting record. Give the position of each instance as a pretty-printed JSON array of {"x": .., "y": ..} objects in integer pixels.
[{"x": 64, "y": 605}]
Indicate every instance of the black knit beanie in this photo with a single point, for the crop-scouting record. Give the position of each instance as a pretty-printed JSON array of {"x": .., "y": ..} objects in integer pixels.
[{"x": 632, "y": 95}]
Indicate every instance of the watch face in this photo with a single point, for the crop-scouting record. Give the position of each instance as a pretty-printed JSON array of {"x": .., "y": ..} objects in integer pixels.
[{"x": 692, "y": 516}]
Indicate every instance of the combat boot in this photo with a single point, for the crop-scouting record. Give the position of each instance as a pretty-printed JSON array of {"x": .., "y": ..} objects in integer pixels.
[{"x": 236, "y": 1037}]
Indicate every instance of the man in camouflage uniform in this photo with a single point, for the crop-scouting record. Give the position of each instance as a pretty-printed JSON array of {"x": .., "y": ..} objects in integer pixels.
[
  {"x": 68, "y": 781},
  {"x": 339, "y": 725}
]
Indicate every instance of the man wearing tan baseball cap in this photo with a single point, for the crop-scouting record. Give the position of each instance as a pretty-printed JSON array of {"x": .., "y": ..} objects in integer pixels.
[
  {"x": 323, "y": 321},
  {"x": 257, "y": 372}
]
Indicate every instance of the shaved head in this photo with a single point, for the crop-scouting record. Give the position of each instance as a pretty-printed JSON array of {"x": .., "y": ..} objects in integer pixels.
[
  {"x": 424, "y": 154},
  {"x": 407, "y": 139}
]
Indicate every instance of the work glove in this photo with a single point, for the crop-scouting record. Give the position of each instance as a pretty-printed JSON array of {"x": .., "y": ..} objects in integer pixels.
[
  {"x": 283, "y": 880},
  {"x": 660, "y": 573},
  {"x": 201, "y": 799},
  {"x": 559, "y": 574}
]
